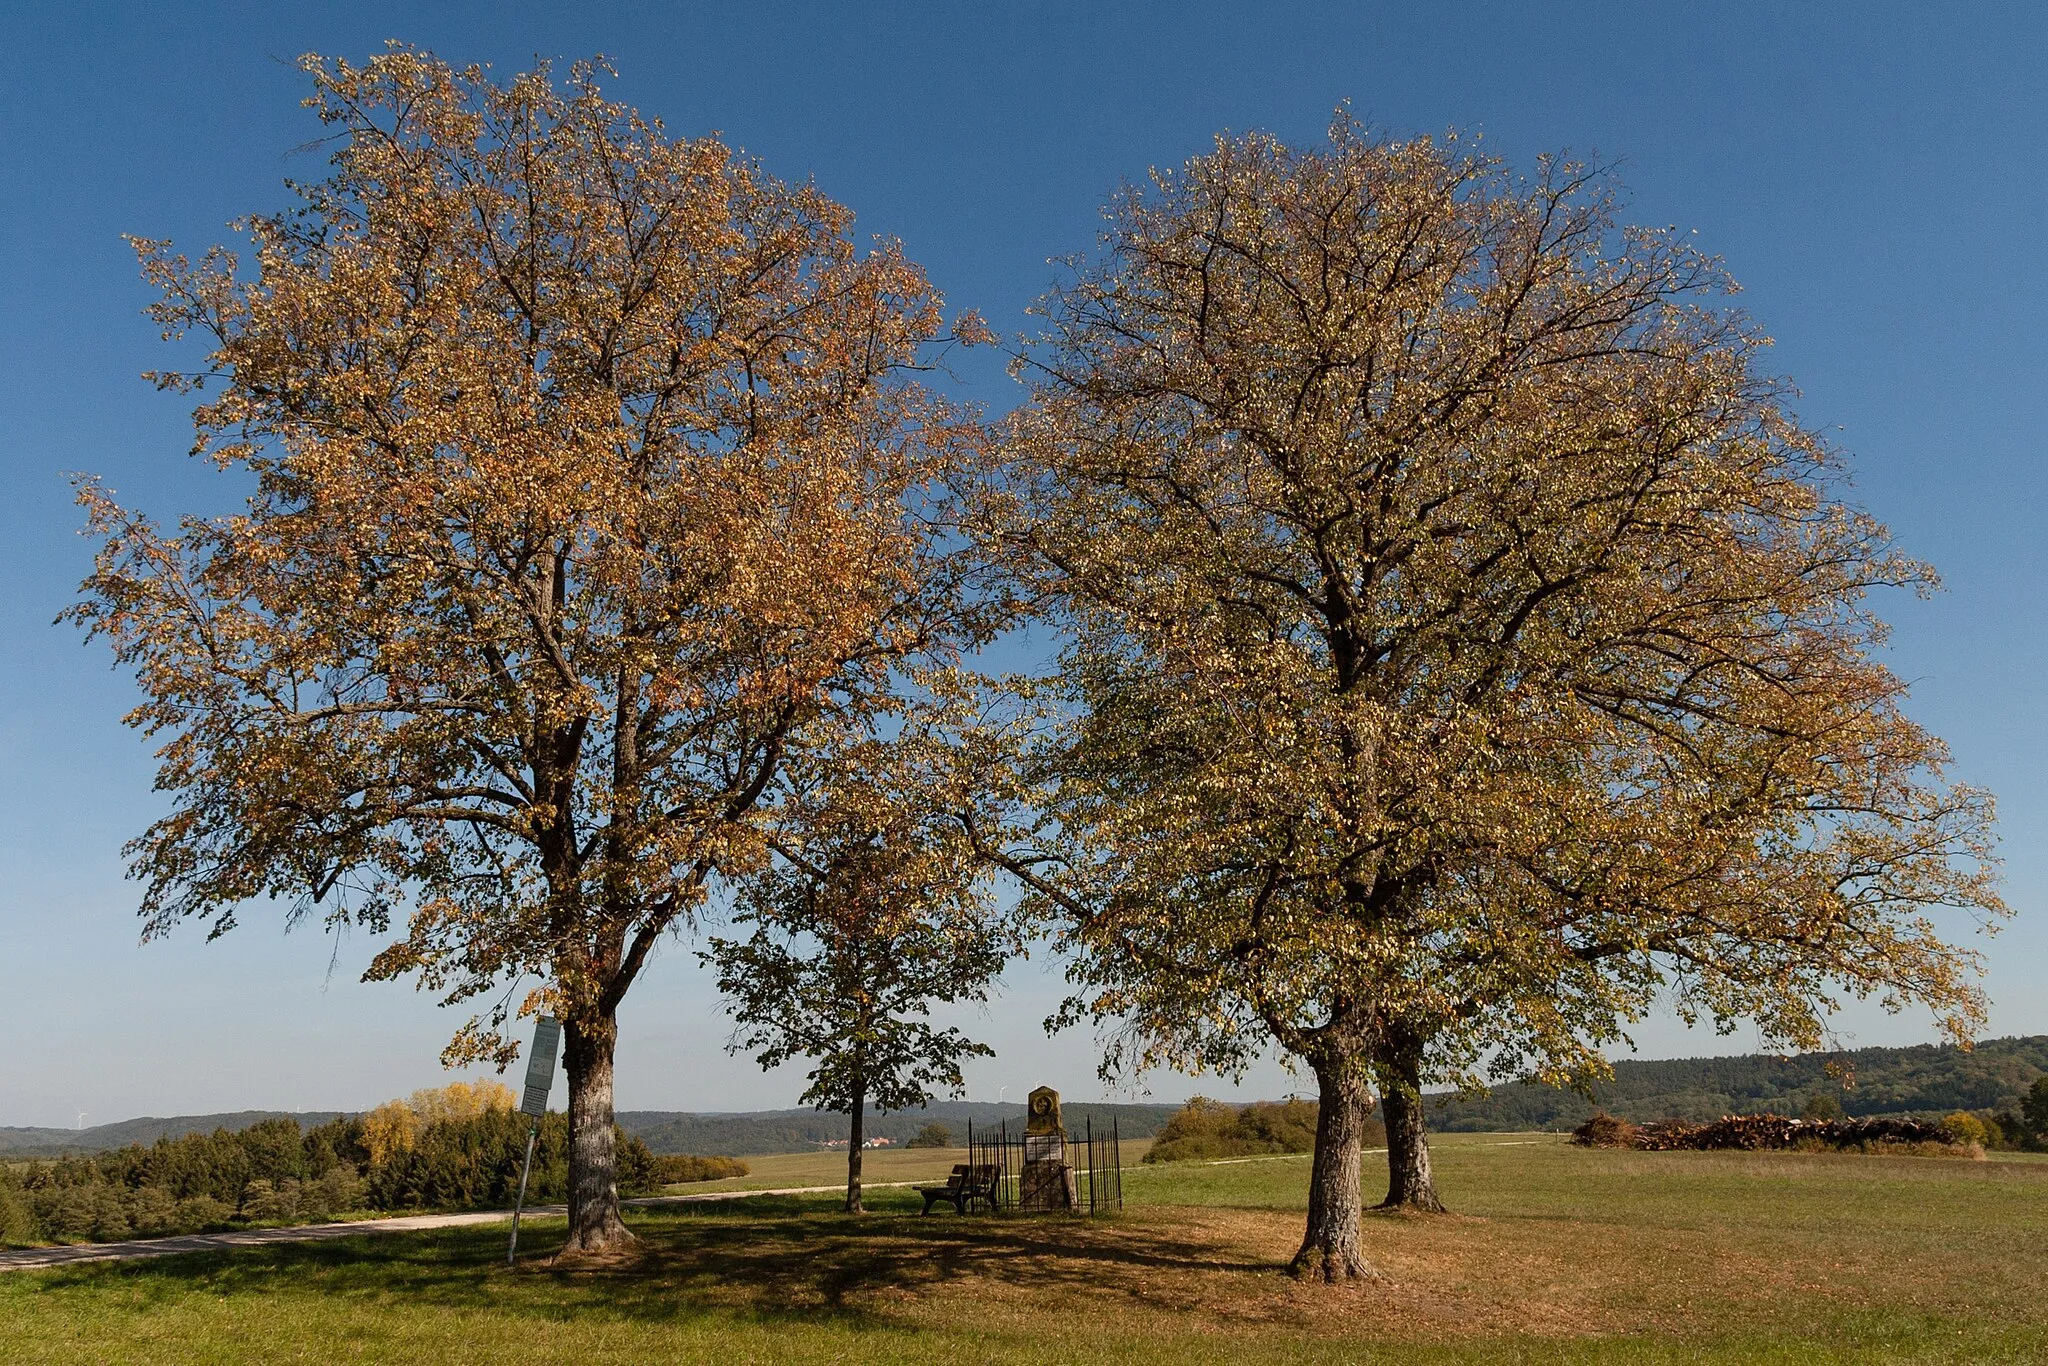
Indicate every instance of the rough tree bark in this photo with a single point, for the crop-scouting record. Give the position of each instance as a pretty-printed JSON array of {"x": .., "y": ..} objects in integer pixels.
[
  {"x": 855, "y": 1136},
  {"x": 594, "y": 1222},
  {"x": 1333, "y": 1248},
  {"x": 1411, "y": 1184}
]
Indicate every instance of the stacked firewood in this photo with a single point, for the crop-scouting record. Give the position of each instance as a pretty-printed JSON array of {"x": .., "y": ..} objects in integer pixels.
[{"x": 1757, "y": 1133}]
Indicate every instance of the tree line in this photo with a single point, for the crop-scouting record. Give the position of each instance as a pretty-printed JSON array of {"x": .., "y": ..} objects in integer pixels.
[
  {"x": 456, "y": 1148},
  {"x": 1456, "y": 644},
  {"x": 1927, "y": 1082}
]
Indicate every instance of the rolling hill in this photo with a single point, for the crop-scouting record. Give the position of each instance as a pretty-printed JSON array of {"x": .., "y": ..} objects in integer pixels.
[
  {"x": 33, "y": 1142},
  {"x": 1925, "y": 1080}
]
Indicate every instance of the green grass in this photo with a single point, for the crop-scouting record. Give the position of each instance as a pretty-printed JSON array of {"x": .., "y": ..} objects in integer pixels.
[{"x": 1556, "y": 1255}]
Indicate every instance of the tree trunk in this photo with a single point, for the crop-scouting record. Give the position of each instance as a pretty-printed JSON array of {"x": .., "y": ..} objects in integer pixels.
[
  {"x": 853, "y": 1150},
  {"x": 594, "y": 1222},
  {"x": 1332, "y": 1249},
  {"x": 1411, "y": 1185}
]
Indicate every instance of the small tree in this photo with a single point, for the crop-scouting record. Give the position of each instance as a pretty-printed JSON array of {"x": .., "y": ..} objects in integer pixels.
[
  {"x": 932, "y": 1135},
  {"x": 874, "y": 911}
]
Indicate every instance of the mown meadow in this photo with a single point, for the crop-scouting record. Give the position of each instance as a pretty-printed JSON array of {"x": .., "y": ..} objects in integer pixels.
[{"x": 1555, "y": 1254}]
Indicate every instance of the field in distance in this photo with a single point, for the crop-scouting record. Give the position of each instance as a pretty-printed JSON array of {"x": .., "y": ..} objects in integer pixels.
[
  {"x": 1555, "y": 1254},
  {"x": 827, "y": 1167}
]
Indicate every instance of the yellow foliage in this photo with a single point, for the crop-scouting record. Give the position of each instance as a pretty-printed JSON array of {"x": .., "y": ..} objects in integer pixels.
[
  {"x": 687, "y": 422},
  {"x": 394, "y": 1126},
  {"x": 460, "y": 1100},
  {"x": 1966, "y": 1128},
  {"x": 389, "y": 1130},
  {"x": 618, "y": 426}
]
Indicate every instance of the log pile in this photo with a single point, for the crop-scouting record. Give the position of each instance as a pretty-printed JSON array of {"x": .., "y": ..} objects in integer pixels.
[
  {"x": 1759, "y": 1133},
  {"x": 1605, "y": 1131}
]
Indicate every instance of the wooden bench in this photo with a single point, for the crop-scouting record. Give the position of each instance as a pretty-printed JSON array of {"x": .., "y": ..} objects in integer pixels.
[{"x": 965, "y": 1186}]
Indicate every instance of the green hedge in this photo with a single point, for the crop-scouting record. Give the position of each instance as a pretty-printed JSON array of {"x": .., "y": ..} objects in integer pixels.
[{"x": 679, "y": 1169}]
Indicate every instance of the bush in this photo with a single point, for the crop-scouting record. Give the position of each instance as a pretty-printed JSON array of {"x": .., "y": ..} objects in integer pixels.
[
  {"x": 264, "y": 1202},
  {"x": 636, "y": 1166},
  {"x": 1201, "y": 1128},
  {"x": 1209, "y": 1129},
  {"x": 109, "y": 1215},
  {"x": 338, "y": 1191},
  {"x": 1822, "y": 1106},
  {"x": 932, "y": 1136},
  {"x": 2012, "y": 1131},
  {"x": 202, "y": 1214},
  {"x": 153, "y": 1211},
  {"x": 64, "y": 1211},
  {"x": 17, "y": 1221},
  {"x": 1966, "y": 1128},
  {"x": 677, "y": 1169},
  {"x": 1605, "y": 1131},
  {"x": 1283, "y": 1127}
]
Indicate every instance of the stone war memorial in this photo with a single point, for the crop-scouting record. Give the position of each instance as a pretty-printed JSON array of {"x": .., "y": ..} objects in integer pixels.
[
  {"x": 1047, "y": 1179},
  {"x": 1045, "y": 1169}
]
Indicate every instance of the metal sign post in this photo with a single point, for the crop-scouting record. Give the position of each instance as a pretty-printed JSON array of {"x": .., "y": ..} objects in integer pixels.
[{"x": 540, "y": 1079}]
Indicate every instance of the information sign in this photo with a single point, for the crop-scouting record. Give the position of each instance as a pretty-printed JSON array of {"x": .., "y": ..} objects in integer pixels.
[{"x": 540, "y": 1066}]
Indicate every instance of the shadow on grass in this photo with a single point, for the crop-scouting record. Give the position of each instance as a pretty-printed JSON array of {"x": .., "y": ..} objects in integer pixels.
[{"x": 767, "y": 1258}]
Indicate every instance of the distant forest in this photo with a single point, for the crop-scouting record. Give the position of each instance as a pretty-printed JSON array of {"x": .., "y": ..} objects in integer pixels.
[
  {"x": 99, "y": 1138},
  {"x": 740, "y": 1134},
  {"x": 1928, "y": 1080}
]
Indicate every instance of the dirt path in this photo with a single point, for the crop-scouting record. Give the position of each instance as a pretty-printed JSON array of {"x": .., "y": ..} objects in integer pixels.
[{"x": 32, "y": 1258}]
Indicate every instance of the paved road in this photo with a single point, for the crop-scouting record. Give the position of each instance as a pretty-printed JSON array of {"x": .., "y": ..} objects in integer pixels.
[{"x": 29, "y": 1259}]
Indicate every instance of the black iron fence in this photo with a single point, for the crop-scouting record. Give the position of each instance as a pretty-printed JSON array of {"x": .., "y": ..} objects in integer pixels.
[{"x": 1094, "y": 1160}]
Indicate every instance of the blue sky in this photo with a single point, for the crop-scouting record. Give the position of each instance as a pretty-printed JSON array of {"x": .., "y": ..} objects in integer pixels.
[{"x": 1875, "y": 175}]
